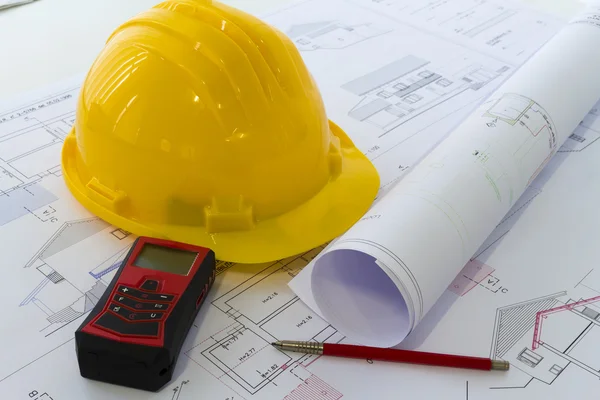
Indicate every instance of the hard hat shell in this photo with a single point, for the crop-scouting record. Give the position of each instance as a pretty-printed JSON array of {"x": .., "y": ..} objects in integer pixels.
[{"x": 200, "y": 123}]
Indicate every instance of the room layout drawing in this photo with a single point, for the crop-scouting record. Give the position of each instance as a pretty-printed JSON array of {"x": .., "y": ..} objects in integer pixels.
[
  {"x": 71, "y": 285},
  {"x": 542, "y": 337},
  {"x": 331, "y": 34},
  {"x": 31, "y": 138},
  {"x": 586, "y": 133},
  {"x": 260, "y": 310},
  {"x": 469, "y": 18},
  {"x": 583, "y": 137},
  {"x": 403, "y": 89},
  {"x": 494, "y": 26},
  {"x": 255, "y": 309},
  {"x": 579, "y": 140},
  {"x": 532, "y": 134},
  {"x": 178, "y": 390}
]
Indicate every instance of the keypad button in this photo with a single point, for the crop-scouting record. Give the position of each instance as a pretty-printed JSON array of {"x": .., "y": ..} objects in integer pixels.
[
  {"x": 150, "y": 284},
  {"x": 126, "y": 290},
  {"x": 145, "y": 316},
  {"x": 124, "y": 300},
  {"x": 114, "y": 323},
  {"x": 139, "y": 305},
  {"x": 163, "y": 297},
  {"x": 117, "y": 309},
  {"x": 155, "y": 306},
  {"x": 138, "y": 294}
]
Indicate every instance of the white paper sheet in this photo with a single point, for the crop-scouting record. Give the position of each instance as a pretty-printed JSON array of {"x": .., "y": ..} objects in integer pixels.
[
  {"x": 57, "y": 258},
  {"x": 381, "y": 278}
]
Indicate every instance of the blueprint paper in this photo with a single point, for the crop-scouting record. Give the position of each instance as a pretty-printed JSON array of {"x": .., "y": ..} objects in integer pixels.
[
  {"x": 57, "y": 258},
  {"x": 379, "y": 280}
]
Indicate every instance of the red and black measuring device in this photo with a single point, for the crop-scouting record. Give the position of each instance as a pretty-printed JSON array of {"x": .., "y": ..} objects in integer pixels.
[{"x": 135, "y": 332}]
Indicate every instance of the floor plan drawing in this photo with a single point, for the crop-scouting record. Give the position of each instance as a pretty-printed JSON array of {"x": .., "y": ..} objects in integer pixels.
[
  {"x": 533, "y": 136},
  {"x": 408, "y": 87},
  {"x": 259, "y": 310},
  {"x": 30, "y": 142},
  {"x": 331, "y": 34},
  {"x": 544, "y": 336},
  {"x": 582, "y": 138},
  {"x": 586, "y": 134},
  {"x": 179, "y": 389},
  {"x": 492, "y": 26},
  {"x": 472, "y": 19}
]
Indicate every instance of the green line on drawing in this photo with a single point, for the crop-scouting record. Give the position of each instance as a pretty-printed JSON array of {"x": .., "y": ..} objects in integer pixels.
[{"x": 493, "y": 184}]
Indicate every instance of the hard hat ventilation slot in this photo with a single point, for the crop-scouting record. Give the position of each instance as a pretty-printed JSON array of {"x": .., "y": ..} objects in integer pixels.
[
  {"x": 228, "y": 213},
  {"x": 105, "y": 196}
]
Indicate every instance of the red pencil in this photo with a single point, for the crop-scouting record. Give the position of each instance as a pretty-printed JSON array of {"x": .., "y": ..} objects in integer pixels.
[{"x": 385, "y": 354}]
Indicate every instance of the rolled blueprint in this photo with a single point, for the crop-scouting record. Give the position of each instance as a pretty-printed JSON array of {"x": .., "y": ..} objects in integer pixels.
[{"x": 376, "y": 282}]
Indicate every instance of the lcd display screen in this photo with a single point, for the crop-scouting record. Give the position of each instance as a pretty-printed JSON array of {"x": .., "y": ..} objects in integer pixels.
[{"x": 165, "y": 259}]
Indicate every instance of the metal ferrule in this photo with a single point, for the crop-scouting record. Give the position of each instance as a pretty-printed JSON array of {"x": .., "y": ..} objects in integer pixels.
[
  {"x": 500, "y": 365},
  {"x": 300, "y": 347}
]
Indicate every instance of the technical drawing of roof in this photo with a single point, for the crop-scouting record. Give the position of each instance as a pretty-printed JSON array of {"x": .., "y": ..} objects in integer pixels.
[
  {"x": 68, "y": 234},
  {"x": 303, "y": 29},
  {"x": 541, "y": 315},
  {"x": 513, "y": 321}
]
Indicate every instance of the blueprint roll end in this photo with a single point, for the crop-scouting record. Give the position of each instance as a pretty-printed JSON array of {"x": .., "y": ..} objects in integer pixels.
[{"x": 359, "y": 298}]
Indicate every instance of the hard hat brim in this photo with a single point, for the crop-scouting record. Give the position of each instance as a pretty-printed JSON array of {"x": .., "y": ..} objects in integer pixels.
[{"x": 328, "y": 214}]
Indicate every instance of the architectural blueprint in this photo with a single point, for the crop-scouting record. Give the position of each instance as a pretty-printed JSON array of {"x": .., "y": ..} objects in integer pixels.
[
  {"x": 330, "y": 34},
  {"x": 500, "y": 29},
  {"x": 397, "y": 89},
  {"x": 378, "y": 280},
  {"x": 58, "y": 258},
  {"x": 406, "y": 88}
]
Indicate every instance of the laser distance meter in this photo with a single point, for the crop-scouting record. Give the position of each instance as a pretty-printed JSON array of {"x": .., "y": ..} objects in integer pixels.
[{"x": 135, "y": 332}]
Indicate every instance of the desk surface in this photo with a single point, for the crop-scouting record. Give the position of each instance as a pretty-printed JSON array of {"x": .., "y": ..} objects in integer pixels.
[{"x": 50, "y": 40}]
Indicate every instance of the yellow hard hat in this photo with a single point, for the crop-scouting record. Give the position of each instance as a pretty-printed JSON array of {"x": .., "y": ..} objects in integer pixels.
[{"x": 200, "y": 123}]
